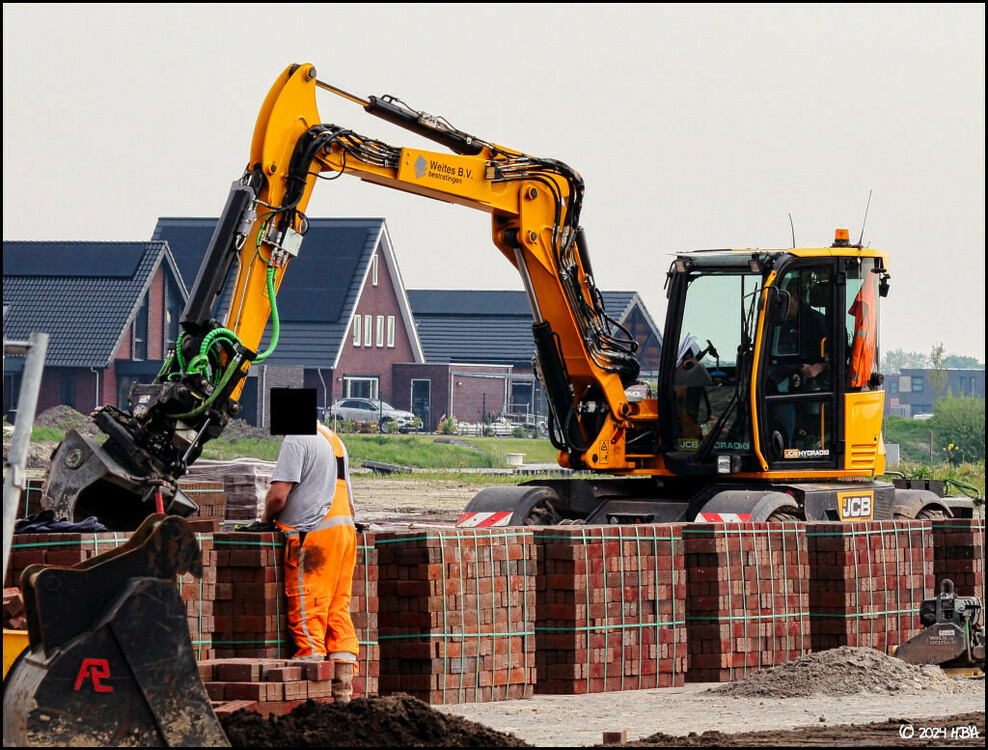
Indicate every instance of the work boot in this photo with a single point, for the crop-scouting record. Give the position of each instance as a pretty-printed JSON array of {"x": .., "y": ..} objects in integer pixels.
[{"x": 342, "y": 687}]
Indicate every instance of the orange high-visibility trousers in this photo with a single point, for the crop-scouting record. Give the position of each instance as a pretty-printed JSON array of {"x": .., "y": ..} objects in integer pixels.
[{"x": 318, "y": 587}]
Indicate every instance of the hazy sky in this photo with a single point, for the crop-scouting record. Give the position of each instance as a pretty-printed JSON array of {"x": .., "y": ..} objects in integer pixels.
[{"x": 694, "y": 126}]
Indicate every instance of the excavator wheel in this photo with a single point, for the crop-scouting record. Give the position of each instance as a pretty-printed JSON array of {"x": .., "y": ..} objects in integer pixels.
[
  {"x": 783, "y": 515},
  {"x": 925, "y": 514}
]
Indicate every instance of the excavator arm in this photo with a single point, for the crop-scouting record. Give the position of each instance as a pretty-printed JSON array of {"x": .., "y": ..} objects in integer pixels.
[{"x": 584, "y": 359}]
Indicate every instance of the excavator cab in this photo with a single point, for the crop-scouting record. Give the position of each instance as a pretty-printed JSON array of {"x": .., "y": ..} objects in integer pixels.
[{"x": 767, "y": 372}]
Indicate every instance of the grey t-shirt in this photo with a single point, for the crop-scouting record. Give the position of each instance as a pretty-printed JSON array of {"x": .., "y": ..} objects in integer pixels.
[{"x": 307, "y": 461}]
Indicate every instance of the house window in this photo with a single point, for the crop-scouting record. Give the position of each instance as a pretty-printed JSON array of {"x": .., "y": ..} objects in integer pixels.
[
  {"x": 356, "y": 331},
  {"x": 893, "y": 387},
  {"x": 391, "y": 331},
  {"x": 380, "y": 330},
  {"x": 139, "y": 330},
  {"x": 368, "y": 322},
  {"x": 374, "y": 270},
  {"x": 361, "y": 387},
  {"x": 918, "y": 384}
]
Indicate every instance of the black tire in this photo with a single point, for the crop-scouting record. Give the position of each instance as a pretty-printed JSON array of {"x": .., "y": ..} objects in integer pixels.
[
  {"x": 925, "y": 514},
  {"x": 386, "y": 426},
  {"x": 542, "y": 514},
  {"x": 784, "y": 515}
]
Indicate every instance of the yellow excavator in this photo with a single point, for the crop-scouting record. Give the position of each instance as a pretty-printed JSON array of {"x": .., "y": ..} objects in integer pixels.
[{"x": 767, "y": 405}]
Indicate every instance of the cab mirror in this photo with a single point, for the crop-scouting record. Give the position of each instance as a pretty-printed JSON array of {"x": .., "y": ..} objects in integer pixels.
[{"x": 778, "y": 305}]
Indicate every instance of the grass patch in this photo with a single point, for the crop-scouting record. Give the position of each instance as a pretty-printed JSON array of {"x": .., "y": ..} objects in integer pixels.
[
  {"x": 536, "y": 451},
  {"x": 227, "y": 450},
  {"x": 417, "y": 451},
  {"x": 47, "y": 434},
  {"x": 971, "y": 474}
]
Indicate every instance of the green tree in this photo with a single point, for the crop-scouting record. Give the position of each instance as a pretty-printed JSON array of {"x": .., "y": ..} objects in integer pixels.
[
  {"x": 894, "y": 361},
  {"x": 961, "y": 362},
  {"x": 938, "y": 370},
  {"x": 959, "y": 425}
]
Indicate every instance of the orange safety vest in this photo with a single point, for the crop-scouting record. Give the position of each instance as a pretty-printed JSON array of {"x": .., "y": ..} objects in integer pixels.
[{"x": 865, "y": 334}]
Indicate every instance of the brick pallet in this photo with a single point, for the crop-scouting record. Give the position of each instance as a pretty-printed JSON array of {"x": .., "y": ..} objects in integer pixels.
[
  {"x": 198, "y": 594},
  {"x": 251, "y": 610},
  {"x": 62, "y": 549},
  {"x": 245, "y": 482},
  {"x": 610, "y": 608},
  {"x": 457, "y": 614},
  {"x": 747, "y": 603},
  {"x": 867, "y": 581},
  {"x": 959, "y": 554},
  {"x": 67, "y": 549},
  {"x": 29, "y": 503},
  {"x": 209, "y": 496}
]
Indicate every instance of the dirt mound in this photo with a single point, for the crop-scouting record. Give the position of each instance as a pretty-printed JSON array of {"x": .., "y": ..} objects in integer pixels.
[
  {"x": 846, "y": 671},
  {"x": 238, "y": 429},
  {"x": 390, "y": 721},
  {"x": 66, "y": 418}
]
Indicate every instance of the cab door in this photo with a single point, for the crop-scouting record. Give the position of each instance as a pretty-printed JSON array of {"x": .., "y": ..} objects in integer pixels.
[{"x": 800, "y": 377}]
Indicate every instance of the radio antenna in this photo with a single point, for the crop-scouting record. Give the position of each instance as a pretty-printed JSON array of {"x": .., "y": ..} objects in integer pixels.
[
  {"x": 793, "y": 232},
  {"x": 865, "y": 219}
]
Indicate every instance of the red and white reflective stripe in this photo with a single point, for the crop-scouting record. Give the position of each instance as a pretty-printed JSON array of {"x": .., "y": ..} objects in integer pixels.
[
  {"x": 475, "y": 520},
  {"x": 724, "y": 517}
]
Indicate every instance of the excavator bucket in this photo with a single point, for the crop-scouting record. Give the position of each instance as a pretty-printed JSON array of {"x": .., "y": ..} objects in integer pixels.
[
  {"x": 110, "y": 660},
  {"x": 86, "y": 479}
]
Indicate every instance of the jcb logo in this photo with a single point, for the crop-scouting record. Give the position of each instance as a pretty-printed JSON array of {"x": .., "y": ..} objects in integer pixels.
[
  {"x": 856, "y": 506},
  {"x": 96, "y": 670}
]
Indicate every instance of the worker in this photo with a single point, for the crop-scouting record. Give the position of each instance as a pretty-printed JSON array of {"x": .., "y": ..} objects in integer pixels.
[
  {"x": 803, "y": 337},
  {"x": 310, "y": 499},
  {"x": 864, "y": 341}
]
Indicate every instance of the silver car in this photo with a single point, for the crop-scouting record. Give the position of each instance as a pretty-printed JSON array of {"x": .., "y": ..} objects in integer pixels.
[{"x": 371, "y": 410}]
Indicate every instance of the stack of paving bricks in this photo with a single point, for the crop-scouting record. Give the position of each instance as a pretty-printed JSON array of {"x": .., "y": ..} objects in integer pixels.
[
  {"x": 209, "y": 496},
  {"x": 198, "y": 594},
  {"x": 62, "y": 548},
  {"x": 611, "y": 608},
  {"x": 457, "y": 613},
  {"x": 747, "y": 603},
  {"x": 70, "y": 548},
  {"x": 265, "y": 686},
  {"x": 13, "y": 610},
  {"x": 959, "y": 554},
  {"x": 867, "y": 581},
  {"x": 30, "y": 500},
  {"x": 245, "y": 481},
  {"x": 250, "y": 611}
]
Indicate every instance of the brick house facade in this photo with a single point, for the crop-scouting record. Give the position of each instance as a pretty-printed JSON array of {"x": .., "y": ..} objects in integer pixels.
[{"x": 111, "y": 310}]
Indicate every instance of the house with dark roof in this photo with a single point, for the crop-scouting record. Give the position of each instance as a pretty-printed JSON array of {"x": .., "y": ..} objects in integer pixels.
[
  {"x": 348, "y": 327},
  {"x": 111, "y": 310},
  {"x": 479, "y": 347},
  {"x": 344, "y": 315}
]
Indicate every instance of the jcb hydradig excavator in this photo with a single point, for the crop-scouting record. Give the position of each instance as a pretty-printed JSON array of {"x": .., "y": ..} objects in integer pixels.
[{"x": 767, "y": 404}]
